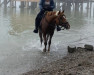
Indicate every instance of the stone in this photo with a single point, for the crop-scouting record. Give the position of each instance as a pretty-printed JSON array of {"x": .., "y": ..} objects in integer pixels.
[
  {"x": 88, "y": 47},
  {"x": 71, "y": 49}
]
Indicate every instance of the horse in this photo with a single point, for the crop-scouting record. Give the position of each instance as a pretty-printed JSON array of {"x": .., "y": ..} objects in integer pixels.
[{"x": 48, "y": 24}]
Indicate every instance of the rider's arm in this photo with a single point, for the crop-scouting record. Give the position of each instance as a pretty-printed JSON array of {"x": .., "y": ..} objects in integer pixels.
[
  {"x": 52, "y": 4},
  {"x": 41, "y": 4}
]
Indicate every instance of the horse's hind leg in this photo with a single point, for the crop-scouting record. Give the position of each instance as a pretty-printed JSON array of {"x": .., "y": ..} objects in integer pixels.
[
  {"x": 45, "y": 43},
  {"x": 40, "y": 35},
  {"x": 49, "y": 43},
  {"x": 47, "y": 37}
]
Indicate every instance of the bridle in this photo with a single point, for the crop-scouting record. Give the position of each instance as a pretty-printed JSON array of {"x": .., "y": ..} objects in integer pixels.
[{"x": 61, "y": 23}]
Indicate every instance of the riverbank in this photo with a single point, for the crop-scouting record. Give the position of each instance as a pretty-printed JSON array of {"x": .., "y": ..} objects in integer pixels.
[{"x": 79, "y": 63}]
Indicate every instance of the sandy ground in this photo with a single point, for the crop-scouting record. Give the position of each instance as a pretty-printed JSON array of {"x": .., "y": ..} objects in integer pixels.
[{"x": 80, "y": 62}]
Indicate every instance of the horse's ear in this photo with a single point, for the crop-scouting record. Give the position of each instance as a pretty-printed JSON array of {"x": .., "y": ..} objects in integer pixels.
[
  {"x": 59, "y": 12},
  {"x": 63, "y": 11}
]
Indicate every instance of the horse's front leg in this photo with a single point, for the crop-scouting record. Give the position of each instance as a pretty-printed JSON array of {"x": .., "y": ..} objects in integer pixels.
[
  {"x": 45, "y": 42},
  {"x": 49, "y": 43}
]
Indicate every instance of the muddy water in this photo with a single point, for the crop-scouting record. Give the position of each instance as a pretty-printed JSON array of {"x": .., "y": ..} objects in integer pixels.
[{"x": 20, "y": 49}]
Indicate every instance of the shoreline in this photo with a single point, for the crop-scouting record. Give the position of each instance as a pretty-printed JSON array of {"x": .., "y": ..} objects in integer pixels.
[{"x": 80, "y": 62}]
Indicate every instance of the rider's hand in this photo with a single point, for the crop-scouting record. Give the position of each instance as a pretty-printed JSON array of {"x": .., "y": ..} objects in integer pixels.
[{"x": 45, "y": 7}]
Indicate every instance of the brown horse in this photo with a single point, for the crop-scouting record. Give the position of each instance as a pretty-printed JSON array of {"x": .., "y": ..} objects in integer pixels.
[{"x": 48, "y": 24}]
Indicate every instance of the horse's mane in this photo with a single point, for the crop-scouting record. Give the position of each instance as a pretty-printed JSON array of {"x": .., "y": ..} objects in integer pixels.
[{"x": 49, "y": 13}]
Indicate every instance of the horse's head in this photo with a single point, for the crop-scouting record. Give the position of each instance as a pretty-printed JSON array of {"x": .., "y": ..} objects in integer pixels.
[{"x": 61, "y": 20}]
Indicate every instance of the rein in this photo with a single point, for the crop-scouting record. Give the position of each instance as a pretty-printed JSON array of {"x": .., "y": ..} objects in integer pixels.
[{"x": 63, "y": 24}]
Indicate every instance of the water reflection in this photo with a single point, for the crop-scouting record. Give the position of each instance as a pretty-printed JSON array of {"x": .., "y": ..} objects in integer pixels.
[{"x": 22, "y": 19}]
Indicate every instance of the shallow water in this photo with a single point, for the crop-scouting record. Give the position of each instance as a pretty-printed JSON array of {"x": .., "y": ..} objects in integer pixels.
[{"x": 20, "y": 48}]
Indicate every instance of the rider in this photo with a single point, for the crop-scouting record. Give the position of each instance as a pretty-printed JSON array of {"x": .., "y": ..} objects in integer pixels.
[{"x": 45, "y": 5}]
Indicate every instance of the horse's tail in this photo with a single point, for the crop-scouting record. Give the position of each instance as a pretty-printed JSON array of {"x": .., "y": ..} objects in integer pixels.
[{"x": 40, "y": 35}]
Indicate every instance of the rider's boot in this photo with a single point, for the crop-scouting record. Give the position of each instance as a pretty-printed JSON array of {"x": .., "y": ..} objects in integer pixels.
[
  {"x": 36, "y": 26},
  {"x": 35, "y": 30}
]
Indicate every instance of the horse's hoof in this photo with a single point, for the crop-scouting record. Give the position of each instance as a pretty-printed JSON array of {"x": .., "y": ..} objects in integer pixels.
[
  {"x": 48, "y": 50},
  {"x": 44, "y": 50}
]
